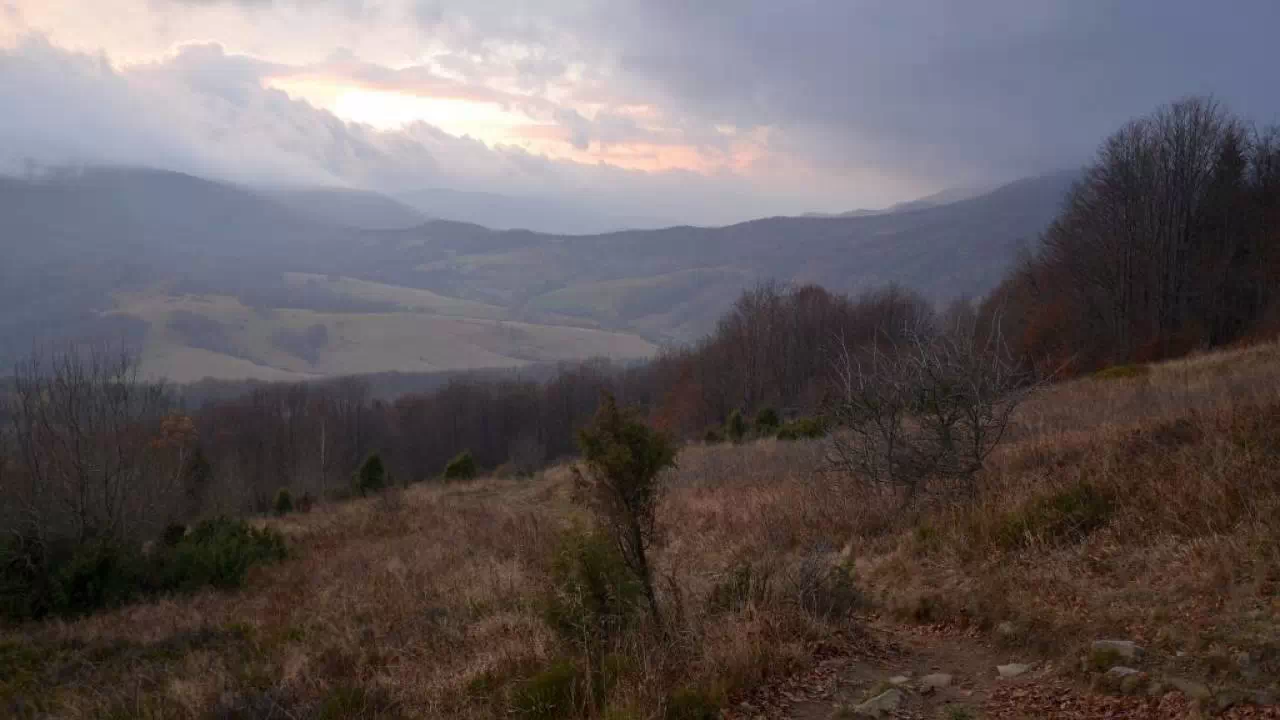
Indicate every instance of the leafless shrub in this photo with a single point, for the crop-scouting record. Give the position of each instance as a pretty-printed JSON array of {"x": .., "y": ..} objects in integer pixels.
[{"x": 924, "y": 411}]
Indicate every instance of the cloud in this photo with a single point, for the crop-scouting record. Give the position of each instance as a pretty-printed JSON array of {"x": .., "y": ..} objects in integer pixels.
[
  {"x": 780, "y": 106},
  {"x": 933, "y": 89},
  {"x": 207, "y": 112}
]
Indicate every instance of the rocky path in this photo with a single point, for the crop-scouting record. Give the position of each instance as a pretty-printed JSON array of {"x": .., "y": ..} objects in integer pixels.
[{"x": 909, "y": 672}]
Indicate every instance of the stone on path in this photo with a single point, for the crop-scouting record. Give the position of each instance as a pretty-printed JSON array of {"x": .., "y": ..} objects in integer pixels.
[
  {"x": 936, "y": 681},
  {"x": 1125, "y": 680},
  {"x": 1013, "y": 670},
  {"x": 898, "y": 680},
  {"x": 885, "y": 702},
  {"x": 1190, "y": 688},
  {"x": 1104, "y": 654}
]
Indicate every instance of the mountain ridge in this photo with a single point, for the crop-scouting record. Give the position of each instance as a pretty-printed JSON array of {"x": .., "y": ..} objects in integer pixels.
[{"x": 289, "y": 288}]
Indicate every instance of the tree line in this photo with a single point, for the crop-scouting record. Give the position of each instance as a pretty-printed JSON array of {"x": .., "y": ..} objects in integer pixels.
[{"x": 1170, "y": 243}]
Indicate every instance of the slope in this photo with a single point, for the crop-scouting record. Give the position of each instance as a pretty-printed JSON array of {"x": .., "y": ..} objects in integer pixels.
[{"x": 636, "y": 279}]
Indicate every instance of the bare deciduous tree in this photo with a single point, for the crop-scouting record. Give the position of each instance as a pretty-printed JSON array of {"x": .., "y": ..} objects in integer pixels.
[
  {"x": 923, "y": 412},
  {"x": 99, "y": 454}
]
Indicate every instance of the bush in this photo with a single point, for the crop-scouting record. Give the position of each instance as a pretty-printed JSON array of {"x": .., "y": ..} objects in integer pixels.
[
  {"x": 173, "y": 534},
  {"x": 372, "y": 476},
  {"x": 556, "y": 692},
  {"x": 824, "y": 589},
  {"x": 624, "y": 459},
  {"x": 595, "y": 594},
  {"x": 767, "y": 421},
  {"x": 735, "y": 428},
  {"x": 1064, "y": 516},
  {"x": 217, "y": 553},
  {"x": 594, "y": 600},
  {"x": 461, "y": 467},
  {"x": 924, "y": 415},
  {"x": 810, "y": 428},
  {"x": 38, "y": 579},
  {"x": 745, "y": 585},
  {"x": 713, "y": 436},
  {"x": 61, "y": 578},
  {"x": 96, "y": 575},
  {"x": 283, "y": 504}
]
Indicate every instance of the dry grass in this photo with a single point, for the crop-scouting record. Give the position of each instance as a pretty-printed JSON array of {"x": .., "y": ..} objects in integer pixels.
[
  {"x": 1147, "y": 508},
  {"x": 430, "y": 603}
]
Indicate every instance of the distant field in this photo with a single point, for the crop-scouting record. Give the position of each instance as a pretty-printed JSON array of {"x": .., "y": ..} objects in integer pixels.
[
  {"x": 193, "y": 337},
  {"x": 677, "y": 304},
  {"x": 407, "y": 298}
]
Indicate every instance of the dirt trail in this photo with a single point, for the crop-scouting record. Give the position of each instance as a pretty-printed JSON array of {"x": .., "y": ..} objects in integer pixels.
[{"x": 858, "y": 668}]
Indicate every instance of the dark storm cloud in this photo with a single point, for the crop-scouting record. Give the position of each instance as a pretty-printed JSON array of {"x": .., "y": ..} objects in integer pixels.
[
  {"x": 935, "y": 88},
  {"x": 939, "y": 90},
  {"x": 839, "y": 103},
  {"x": 1001, "y": 86}
]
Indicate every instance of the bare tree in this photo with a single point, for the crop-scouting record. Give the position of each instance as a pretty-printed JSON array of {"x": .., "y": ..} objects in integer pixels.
[
  {"x": 98, "y": 452},
  {"x": 1166, "y": 244},
  {"x": 923, "y": 412}
]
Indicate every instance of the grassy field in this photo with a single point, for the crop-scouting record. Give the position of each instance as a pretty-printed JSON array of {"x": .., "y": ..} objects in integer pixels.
[
  {"x": 1145, "y": 507},
  {"x": 430, "y": 335},
  {"x": 411, "y": 299}
]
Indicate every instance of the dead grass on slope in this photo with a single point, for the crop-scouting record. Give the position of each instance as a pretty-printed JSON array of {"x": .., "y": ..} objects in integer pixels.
[
  {"x": 432, "y": 602},
  {"x": 1145, "y": 507}
]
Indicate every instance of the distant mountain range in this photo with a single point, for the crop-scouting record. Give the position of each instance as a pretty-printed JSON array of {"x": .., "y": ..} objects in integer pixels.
[
  {"x": 944, "y": 197},
  {"x": 209, "y": 279},
  {"x": 512, "y": 212}
]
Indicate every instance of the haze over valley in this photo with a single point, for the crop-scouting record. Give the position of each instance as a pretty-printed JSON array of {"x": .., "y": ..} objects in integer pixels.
[{"x": 207, "y": 279}]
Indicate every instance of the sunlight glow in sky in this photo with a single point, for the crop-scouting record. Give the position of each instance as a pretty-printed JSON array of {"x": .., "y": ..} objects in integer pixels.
[
  {"x": 389, "y": 110},
  {"x": 729, "y": 109}
]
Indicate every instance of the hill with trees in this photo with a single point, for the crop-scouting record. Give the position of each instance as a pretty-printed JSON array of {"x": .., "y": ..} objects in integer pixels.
[{"x": 137, "y": 255}]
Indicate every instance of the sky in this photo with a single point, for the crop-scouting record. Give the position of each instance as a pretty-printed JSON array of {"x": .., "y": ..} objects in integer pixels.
[{"x": 703, "y": 111}]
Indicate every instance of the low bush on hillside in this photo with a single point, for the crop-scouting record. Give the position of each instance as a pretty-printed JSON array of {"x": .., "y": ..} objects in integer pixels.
[
  {"x": 41, "y": 578},
  {"x": 735, "y": 428},
  {"x": 624, "y": 459},
  {"x": 283, "y": 504},
  {"x": 216, "y": 553},
  {"x": 372, "y": 475},
  {"x": 810, "y": 428},
  {"x": 461, "y": 467},
  {"x": 1065, "y": 516},
  {"x": 556, "y": 692},
  {"x": 767, "y": 421}
]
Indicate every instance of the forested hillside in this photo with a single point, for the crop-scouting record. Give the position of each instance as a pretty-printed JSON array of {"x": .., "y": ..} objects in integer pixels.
[{"x": 207, "y": 279}]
